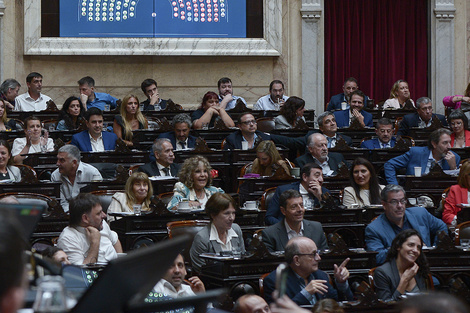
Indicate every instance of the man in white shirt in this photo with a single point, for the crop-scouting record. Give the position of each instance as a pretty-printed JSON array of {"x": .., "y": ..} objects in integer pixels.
[
  {"x": 32, "y": 100},
  {"x": 71, "y": 173},
  {"x": 275, "y": 100},
  {"x": 88, "y": 238}
]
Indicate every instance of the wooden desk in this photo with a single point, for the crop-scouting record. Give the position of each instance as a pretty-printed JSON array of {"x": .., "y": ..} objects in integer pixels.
[
  {"x": 357, "y": 134},
  {"x": 46, "y": 188}
]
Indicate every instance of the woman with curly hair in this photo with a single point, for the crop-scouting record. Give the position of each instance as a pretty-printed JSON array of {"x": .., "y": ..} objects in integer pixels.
[
  {"x": 268, "y": 159},
  {"x": 130, "y": 119},
  {"x": 405, "y": 270},
  {"x": 138, "y": 190},
  {"x": 195, "y": 183},
  {"x": 71, "y": 115},
  {"x": 290, "y": 113}
]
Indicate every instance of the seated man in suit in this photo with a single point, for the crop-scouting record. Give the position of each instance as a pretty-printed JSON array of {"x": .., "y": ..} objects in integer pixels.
[
  {"x": 180, "y": 137},
  {"x": 385, "y": 138},
  {"x": 306, "y": 284},
  {"x": 422, "y": 118},
  {"x": 345, "y": 117},
  {"x": 275, "y": 237},
  {"x": 163, "y": 166},
  {"x": 341, "y": 101},
  {"x": 150, "y": 90},
  {"x": 94, "y": 139},
  {"x": 380, "y": 233},
  {"x": 317, "y": 146},
  {"x": 309, "y": 186},
  {"x": 437, "y": 152},
  {"x": 248, "y": 131},
  {"x": 327, "y": 124}
]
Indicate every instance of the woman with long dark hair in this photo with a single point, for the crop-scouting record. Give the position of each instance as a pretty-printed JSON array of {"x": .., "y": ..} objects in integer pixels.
[
  {"x": 292, "y": 110},
  {"x": 71, "y": 115}
]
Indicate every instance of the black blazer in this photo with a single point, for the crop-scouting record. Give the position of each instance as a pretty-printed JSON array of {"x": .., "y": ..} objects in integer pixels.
[
  {"x": 172, "y": 137},
  {"x": 234, "y": 140},
  {"x": 151, "y": 169},
  {"x": 412, "y": 120},
  {"x": 334, "y": 160}
]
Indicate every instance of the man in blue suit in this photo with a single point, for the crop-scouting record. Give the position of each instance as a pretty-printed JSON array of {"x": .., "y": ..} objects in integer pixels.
[
  {"x": 180, "y": 137},
  {"x": 437, "y": 152},
  {"x": 381, "y": 232},
  {"x": 309, "y": 186},
  {"x": 94, "y": 139},
  {"x": 344, "y": 117},
  {"x": 306, "y": 284},
  {"x": 385, "y": 138},
  {"x": 341, "y": 101},
  {"x": 422, "y": 118}
]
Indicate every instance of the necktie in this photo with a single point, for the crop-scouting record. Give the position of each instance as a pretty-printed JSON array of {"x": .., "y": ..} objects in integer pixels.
[
  {"x": 330, "y": 141},
  {"x": 183, "y": 144},
  {"x": 166, "y": 170}
]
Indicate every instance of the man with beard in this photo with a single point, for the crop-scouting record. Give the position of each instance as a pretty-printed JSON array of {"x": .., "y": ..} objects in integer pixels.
[
  {"x": 341, "y": 100},
  {"x": 227, "y": 100},
  {"x": 344, "y": 118},
  {"x": 385, "y": 138},
  {"x": 275, "y": 100}
]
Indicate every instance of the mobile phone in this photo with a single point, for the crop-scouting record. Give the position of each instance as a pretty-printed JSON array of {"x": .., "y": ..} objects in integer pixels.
[{"x": 281, "y": 279}]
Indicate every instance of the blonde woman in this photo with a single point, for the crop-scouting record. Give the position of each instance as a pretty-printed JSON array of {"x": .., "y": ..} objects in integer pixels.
[
  {"x": 267, "y": 157},
  {"x": 131, "y": 118},
  {"x": 399, "y": 94},
  {"x": 5, "y": 123},
  {"x": 138, "y": 190}
]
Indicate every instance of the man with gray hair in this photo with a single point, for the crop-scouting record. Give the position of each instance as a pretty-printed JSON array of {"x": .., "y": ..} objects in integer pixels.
[
  {"x": 327, "y": 124},
  {"x": 163, "y": 166},
  {"x": 422, "y": 118},
  {"x": 380, "y": 233},
  {"x": 9, "y": 91},
  {"x": 71, "y": 172},
  {"x": 437, "y": 152},
  {"x": 180, "y": 137}
]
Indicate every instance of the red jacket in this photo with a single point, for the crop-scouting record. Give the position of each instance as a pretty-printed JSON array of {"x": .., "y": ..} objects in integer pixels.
[{"x": 456, "y": 195}]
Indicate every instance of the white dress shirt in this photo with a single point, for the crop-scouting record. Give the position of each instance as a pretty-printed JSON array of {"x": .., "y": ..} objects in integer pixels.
[
  {"x": 25, "y": 103},
  {"x": 97, "y": 145}
]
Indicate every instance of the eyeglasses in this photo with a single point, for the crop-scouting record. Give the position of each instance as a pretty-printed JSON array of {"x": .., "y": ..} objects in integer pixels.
[
  {"x": 310, "y": 255},
  {"x": 249, "y": 122},
  {"x": 395, "y": 202}
]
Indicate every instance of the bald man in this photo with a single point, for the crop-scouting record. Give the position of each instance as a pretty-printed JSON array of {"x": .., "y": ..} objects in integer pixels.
[{"x": 251, "y": 304}]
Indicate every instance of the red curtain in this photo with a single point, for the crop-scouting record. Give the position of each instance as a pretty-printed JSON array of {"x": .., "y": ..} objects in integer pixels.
[{"x": 377, "y": 42}]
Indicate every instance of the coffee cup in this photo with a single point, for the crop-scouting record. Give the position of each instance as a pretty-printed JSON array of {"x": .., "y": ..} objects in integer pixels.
[
  {"x": 183, "y": 205},
  {"x": 295, "y": 171},
  {"x": 251, "y": 205},
  {"x": 417, "y": 171}
]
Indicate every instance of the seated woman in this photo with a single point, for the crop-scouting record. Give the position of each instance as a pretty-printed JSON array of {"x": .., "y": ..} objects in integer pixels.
[
  {"x": 221, "y": 234},
  {"x": 138, "y": 191},
  {"x": 268, "y": 159},
  {"x": 399, "y": 94},
  {"x": 209, "y": 111},
  {"x": 457, "y": 101},
  {"x": 458, "y": 194},
  {"x": 5, "y": 123},
  {"x": 195, "y": 183},
  {"x": 130, "y": 119},
  {"x": 8, "y": 172},
  {"x": 33, "y": 142},
  {"x": 458, "y": 122},
  {"x": 365, "y": 189},
  {"x": 71, "y": 115},
  {"x": 405, "y": 270},
  {"x": 292, "y": 110}
]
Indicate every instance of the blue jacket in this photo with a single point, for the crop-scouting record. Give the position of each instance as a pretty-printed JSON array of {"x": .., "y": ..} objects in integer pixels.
[
  {"x": 335, "y": 102},
  {"x": 342, "y": 118},
  {"x": 172, "y": 137},
  {"x": 380, "y": 233},
  {"x": 412, "y": 120},
  {"x": 416, "y": 156},
  {"x": 82, "y": 141},
  {"x": 374, "y": 143},
  {"x": 273, "y": 213}
]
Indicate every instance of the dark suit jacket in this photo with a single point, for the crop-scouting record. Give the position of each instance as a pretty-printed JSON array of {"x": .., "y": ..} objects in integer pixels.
[
  {"x": 82, "y": 141},
  {"x": 335, "y": 102},
  {"x": 234, "y": 140},
  {"x": 374, "y": 143},
  {"x": 342, "y": 118},
  {"x": 151, "y": 169},
  {"x": 172, "y": 137},
  {"x": 293, "y": 289},
  {"x": 334, "y": 160},
  {"x": 148, "y": 107},
  {"x": 412, "y": 120},
  {"x": 275, "y": 236},
  {"x": 273, "y": 213}
]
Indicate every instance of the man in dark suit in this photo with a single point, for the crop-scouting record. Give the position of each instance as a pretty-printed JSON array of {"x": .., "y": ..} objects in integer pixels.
[
  {"x": 317, "y": 146},
  {"x": 94, "y": 139},
  {"x": 248, "y": 132},
  {"x": 275, "y": 237},
  {"x": 345, "y": 117},
  {"x": 180, "y": 137},
  {"x": 385, "y": 138},
  {"x": 306, "y": 284},
  {"x": 153, "y": 102},
  {"x": 327, "y": 124},
  {"x": 163, "y": 166},
  {"x": 341, "y": 101},
  {"x": 422, "y": 118},
  {"x": 309, "y": 186}
]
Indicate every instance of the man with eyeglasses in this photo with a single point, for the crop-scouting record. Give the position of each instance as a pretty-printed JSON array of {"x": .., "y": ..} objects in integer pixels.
[
  {"x": 380, "y": 233},
  {"x": 248, "y": 132},
  {"x": 385, "y": 138},
  {"x": 437, "y": 152},
  {"x": 422, "y": 118},
  {"x": 275, "y": 237},
  {"x": 306, "y": 284}
]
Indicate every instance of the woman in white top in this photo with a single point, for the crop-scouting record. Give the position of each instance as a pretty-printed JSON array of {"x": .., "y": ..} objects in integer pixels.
[
  {"x": 138, "y": 190},
  {"x": 399, "y": 94},
  {"x": 33, "y": 142},
  {"x": 365, "y": 189},
  {"x": 8, "y": 173},
  {"x": 292, "y": 110}
]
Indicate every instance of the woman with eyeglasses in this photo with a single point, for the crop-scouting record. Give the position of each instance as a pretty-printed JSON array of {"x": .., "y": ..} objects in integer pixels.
[
  {"x": 405, "y": 270},
  {"x": 458, "y": 194},
  {"x": 209, "y": 111},
  {"x": 460, "y": 136},
  {"x": 399, "y": 94},
  {"x": 292, "y": 110}
]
